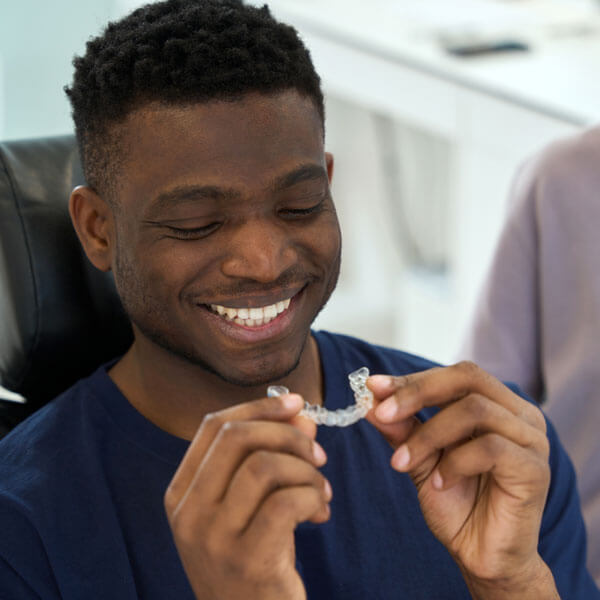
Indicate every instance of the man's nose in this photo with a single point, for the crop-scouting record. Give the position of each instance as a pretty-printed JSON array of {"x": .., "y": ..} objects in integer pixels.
[{"x": 260, "y": 251}]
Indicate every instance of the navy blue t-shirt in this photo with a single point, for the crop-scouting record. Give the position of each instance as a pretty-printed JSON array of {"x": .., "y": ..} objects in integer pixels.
[{"x": 81, "y": 504}]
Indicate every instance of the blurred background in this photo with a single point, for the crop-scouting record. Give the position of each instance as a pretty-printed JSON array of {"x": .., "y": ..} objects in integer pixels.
[{"x": 432, "y": 105}]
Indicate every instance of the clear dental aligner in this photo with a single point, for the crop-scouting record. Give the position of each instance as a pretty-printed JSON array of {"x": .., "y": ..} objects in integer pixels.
[{"x": 342, "y": 417}]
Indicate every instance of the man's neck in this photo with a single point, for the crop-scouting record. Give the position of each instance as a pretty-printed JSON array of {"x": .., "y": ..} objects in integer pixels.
[{"x": 176, "y": 395}]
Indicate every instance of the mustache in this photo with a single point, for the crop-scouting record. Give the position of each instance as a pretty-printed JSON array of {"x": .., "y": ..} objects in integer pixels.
[{"x": 293, "y": 277}]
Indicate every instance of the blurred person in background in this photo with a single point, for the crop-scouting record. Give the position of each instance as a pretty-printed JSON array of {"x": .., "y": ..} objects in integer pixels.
[{"x": 537, "y": 321}]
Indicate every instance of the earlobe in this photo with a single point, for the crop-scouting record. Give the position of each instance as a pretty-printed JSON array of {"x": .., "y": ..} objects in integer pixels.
[
  {"x": 329, "y": 163},
  {"x": 93, "y": 222}
]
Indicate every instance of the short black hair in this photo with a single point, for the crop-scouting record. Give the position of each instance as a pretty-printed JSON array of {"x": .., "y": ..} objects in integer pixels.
[{"x": 180, "y": 52}]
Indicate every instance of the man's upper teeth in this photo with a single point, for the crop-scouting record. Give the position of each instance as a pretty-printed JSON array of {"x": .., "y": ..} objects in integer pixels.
[{"x": 263, "y": 312}]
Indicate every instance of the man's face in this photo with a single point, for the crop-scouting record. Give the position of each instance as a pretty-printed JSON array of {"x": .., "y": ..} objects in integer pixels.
[{"x": 228, "y": 243}]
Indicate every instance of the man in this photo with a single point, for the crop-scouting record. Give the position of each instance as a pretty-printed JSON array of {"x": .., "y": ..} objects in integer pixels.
[{"x": 168, "y": 473}]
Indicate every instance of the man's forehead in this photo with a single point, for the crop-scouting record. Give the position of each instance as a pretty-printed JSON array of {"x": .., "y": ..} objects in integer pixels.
[
  {"x": 256, "y": 138},
  {"x": 254, "y": 110}
]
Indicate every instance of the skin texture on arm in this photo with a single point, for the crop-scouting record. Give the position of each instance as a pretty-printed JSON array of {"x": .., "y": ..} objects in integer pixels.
[{"x": 480, "y": 466}]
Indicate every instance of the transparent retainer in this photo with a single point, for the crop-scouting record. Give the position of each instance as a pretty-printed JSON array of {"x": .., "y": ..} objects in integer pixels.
[{"x": 342, "y": 417}]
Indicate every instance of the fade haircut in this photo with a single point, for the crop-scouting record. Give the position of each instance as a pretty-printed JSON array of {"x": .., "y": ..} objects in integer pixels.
[{"x": 179, "y": 52}]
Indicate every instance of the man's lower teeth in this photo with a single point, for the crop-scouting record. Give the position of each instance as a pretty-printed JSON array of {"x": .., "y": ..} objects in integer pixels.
[{"x": 251, "y": 322}]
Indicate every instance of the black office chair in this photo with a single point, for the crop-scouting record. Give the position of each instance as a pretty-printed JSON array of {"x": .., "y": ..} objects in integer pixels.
[{"x": 59, "y": 316}]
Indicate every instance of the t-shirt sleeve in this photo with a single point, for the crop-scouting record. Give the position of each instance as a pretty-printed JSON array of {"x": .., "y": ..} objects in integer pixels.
[
  {"x": 13, "y": 585},
  {"x": 25, "y": 572},
  {"x": 562, "y": 535}
]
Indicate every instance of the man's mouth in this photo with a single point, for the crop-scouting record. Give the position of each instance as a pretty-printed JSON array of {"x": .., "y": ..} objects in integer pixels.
[{"x": 251, "y": 317}]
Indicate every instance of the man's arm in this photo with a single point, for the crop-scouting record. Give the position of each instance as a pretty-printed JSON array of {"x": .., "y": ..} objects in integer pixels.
[
  {"x": 481, "y": 469},
  {"x": 248, "y": 478}
]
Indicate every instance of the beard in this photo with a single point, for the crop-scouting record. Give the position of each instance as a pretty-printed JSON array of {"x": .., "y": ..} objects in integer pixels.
[{"x": 150, "y": 317}]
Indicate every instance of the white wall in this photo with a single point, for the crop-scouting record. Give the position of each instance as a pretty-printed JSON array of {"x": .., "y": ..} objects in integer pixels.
[{"x": 37, "y": 43}]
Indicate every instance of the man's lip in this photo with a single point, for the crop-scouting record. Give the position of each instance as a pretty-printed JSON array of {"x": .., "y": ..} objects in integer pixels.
[
  {"x": 259, "y": 333},
  {"x": 253, "y": 301}
]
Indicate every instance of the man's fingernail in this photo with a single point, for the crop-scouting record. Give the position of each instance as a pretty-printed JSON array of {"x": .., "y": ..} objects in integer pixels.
[
  {"x": 291, "y": 401},
  {"x": 319, "y": 453},
  {"x": 401, "y": 457},
  {"x": 386, "y": 411},
  {"x": 436, "y": 480}
]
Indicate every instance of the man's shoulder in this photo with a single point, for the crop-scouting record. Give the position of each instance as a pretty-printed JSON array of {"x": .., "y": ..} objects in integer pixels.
[
  {"x": 379, "y": 359},
  {"x": 47, "y": 440}
]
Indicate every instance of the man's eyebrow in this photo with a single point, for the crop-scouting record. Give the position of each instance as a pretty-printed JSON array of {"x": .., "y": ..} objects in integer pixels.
[
  {"x": 305, "y": 172},
  {"x": 198, "y": 193},
  {"x": 191, "y": 193}
]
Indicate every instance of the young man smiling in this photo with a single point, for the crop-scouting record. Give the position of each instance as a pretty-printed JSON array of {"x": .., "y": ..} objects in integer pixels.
[{"x": 168, "y": 473}]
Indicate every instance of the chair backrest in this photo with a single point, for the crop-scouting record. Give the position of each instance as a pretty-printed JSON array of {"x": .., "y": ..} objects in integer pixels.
[{"x": 59, "y": 316}]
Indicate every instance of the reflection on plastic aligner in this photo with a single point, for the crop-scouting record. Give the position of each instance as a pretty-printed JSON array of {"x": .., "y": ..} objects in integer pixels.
[{"x": 342, "y": 417}]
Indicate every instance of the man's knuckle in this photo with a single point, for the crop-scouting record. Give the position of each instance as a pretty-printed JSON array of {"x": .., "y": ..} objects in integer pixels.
[
  {"x": 537, "y": 419},
  {"x": 401, "y": 381},
  {"x": 184, "y": 526},
  {"x": 544, "y": 471},
  {"x": 234, "y": 432},
  {"x": 306, "y": 444},
  {"x": 542, "y": 445},
  {"x": 494, "y": 443},
  {"x": 293, "y": 440},
  {"x": 477, "y": 407},
  {"x": 416, "y": 386},
  {"x": 170, "y": 499},
  {"x": 217, "y": 546},
  {"x": 212, "y": 422},
  {"x": 315, "y": 498},
  {"x": 468, "y": 367},
  {"x": 426, "y": 437},
  {"x": 260, "y": 465},
  {"x": 536, "y": 471},
  {"x": 244, "y": 569},
  {"x": 280, "y": 504}
]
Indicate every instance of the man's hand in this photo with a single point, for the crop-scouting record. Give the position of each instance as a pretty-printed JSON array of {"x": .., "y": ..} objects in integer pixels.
[
  {"x": 248, "y": 478},
  {"x": 480, "y": 466}
]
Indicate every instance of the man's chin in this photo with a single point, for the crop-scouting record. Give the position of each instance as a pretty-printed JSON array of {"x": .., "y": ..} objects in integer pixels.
[
  {"x": 257, "y": 372},
  {"x": 261, "y": 377}
]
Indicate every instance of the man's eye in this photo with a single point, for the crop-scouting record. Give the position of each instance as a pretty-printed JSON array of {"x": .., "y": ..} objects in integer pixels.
[
  {"x": 301, "y": 212},
  {"x": 193, "y": 233}
]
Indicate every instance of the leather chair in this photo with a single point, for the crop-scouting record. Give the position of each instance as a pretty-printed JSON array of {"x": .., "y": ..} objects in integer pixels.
[{"x": 60, "y": 318}]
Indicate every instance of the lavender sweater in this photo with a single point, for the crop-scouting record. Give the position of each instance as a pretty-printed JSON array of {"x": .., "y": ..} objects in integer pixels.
[{"x": 537, "y": 322}]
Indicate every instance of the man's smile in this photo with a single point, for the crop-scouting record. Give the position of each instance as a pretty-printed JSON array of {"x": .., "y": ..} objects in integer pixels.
[
  {"x": 251, "y": 324},
  {"x": 251, "y": 317}
]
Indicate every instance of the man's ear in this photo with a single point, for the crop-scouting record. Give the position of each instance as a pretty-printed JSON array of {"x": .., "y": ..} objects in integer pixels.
[
  {"x": 94, "y": 224},
  {"x": 329, "y": 164}
]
